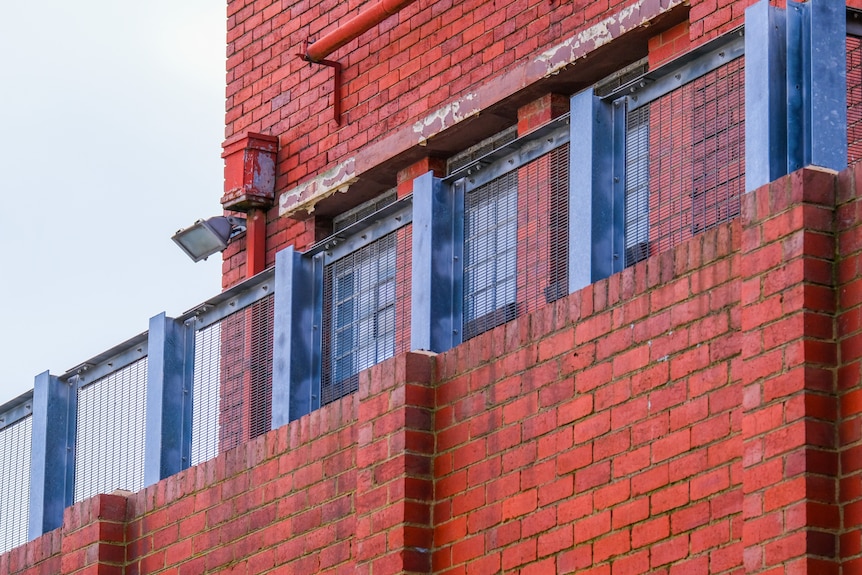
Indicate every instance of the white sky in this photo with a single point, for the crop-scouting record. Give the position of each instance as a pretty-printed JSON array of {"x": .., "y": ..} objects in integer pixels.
[{"x": 112, "y": 118}]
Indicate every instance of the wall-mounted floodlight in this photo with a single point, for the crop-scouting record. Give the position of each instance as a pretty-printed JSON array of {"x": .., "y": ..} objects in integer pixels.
[{"x": 206, "y": 237}]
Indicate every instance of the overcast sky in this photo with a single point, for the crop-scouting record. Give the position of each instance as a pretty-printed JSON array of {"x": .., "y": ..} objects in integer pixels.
[{"x": 112, "y": 123}]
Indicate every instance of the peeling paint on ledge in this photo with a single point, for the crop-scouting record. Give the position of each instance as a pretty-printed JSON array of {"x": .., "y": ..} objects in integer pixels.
[
  {"x": 305, "y": 196},
  {"x": 446, "y": 117},
  {"x": 638, "y": 14}
]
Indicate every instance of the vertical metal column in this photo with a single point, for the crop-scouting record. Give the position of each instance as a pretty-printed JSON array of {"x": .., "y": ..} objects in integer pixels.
[
  {"x": 795, "y": 89},
  {"x": 296, "y": 338},
  {"x": 825, "y": 70},
  {"x": 52, "y": 466},
  {"x": 765, "y": 95},
  {"x": 436, "y": 266},
  {"x": 169, "y": 399},
  {"x": 596, "y": 216}
]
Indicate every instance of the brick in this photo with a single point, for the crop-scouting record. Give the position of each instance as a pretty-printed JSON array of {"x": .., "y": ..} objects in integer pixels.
[
  {"x": 611, "y": 546},
  {"x": 556, "y": 540},
  {"x": 633, "y": 563},
  {"x": 592, "y": 527},
  {"x": 520, "y": 504},
  {"x": 668, "y": 551},
  {"x": 519, "y": 554}
]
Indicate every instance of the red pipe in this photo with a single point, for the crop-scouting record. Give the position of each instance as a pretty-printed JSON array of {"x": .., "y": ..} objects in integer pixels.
[
  {"x": 353, "y": 28},
  {"x": 255, "y": 257}
]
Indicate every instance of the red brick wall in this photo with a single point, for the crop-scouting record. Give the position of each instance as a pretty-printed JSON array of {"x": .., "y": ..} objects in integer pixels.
[
  {"x": 602, "y": 433},
  {"x": 790, "y": 448},
  {"x": 669, "y": 44},
  {"x": 282, "y": 499},
  {"x": 695, "y": 413}
]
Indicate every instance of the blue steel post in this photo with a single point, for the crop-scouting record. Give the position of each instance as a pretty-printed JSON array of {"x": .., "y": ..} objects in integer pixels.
[
  {"x": 595, "y": 235},
  {"x": 52, "y": 467},
  {"x": 169, "y": 399},
  {"x": 458, "y": 191},
  {"x": 296, "y": 335},
  {"x": 826, "y": 67},
  {"x": 816, "y": 84},
  {"x": 797, "y": 123},
  {"x": 765, "y": 95},
  {"x": 432, "y": 325}
]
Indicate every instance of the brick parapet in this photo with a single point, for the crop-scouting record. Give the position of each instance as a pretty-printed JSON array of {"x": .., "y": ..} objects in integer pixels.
[
  {"x": 790, "y": 458},
  {"x": 601, "y": 433},
  {"x": 694, "y": 413},
  {"x": 849, "y": 299},
  {"x": 394, "y": 483},
  {"x": 91, "y": 541}
]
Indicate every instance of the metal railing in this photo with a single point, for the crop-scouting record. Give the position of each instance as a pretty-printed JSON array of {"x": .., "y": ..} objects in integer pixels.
[
  {"x": 854, "y": 96},
  {"x": 111, "y": 419},
  {"x": 16, "y": 432},
  {"x": 121, "y": 421},
  {"x": 684, "y": 156},
  {"x": 232, "y": 387},
  {"x": 230, "y": 359}
]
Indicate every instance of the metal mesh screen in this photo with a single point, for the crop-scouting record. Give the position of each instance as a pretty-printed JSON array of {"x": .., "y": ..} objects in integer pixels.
[
  {"x": 232, "y": 389},
  {"x": 364, "y": 210},
  {"x": 366, "y": 311},
  {"x": 854, "y": 99},
  {"x": 205, "y": 394},
  {"x": 109, "y": 451},
  {"x": 685, "y": 161},
  {"x": 516, "y": 242},
  {"x": 15, "y": 443}
]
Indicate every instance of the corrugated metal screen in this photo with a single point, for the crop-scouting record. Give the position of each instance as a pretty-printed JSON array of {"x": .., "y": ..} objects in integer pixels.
[
  {"x": 366, "y": 311},
  {"x": 516, "y": 242},
  {"x": 15, "y": 443},
  {"x": 685, "y": 161},
  {"x": 854, "y": 99},
  {"x": 232, "y": 389},
  {"x": 109, "y": 452}
]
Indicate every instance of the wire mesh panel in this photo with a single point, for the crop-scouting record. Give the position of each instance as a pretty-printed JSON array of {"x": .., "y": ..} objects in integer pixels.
[
  {"x": 490, "y": 255},
  {"x": 366, "y": 318},
  {"x": 109, "y": 451},
  {"x": 232, "y": 388},
  {"x": 685, "y": 161},
  {"x": 516, "y": 242},
  {"x": 364, "y": 210},
  {"x": 854, "y": 99},
  {"x": 205, "y": 394},
  {"x": 15, "y": 443}
]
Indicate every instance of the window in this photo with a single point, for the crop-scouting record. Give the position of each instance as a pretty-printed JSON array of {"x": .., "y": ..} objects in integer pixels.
[
  {"x": 490, "y": 255},
  {"x": 359, "y": 315},
  {"x": 515, "y": 229},
  {"x": 362, "y": 293}
]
